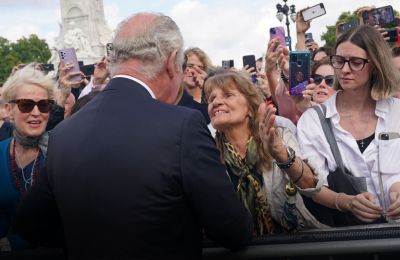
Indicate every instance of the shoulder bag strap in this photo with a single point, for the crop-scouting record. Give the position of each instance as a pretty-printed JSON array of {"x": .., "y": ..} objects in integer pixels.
[{"x": 327, "y": 128}]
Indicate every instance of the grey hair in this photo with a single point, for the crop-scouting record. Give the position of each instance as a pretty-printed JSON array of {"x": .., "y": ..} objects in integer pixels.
[
  {"x": 150, "y": 43},
  {"x": 27, "y": 75}
]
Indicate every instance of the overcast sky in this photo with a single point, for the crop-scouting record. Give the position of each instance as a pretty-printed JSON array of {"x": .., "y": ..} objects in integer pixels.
[{"x": 224, "y": 29}]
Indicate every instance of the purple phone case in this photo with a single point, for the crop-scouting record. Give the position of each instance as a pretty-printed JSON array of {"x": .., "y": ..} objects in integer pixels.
[
  {"x": 279, "y": 33},
  {"x": 299, "y": 71},
  {"x": 69, "y": 56}
]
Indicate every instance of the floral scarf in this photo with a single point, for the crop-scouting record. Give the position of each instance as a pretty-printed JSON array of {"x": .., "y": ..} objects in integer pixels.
[{"x": 250, "y": 184}]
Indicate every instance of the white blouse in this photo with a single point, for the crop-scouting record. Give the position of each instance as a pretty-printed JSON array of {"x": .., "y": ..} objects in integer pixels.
[{"x": 315, "y": 147}]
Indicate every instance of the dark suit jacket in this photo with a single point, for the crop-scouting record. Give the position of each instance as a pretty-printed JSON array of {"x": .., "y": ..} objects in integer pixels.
[{"x": 132, "y": 177}]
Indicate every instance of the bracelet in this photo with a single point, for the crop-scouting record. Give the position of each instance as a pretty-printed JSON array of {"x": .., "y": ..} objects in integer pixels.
[
  {"x": 301, "y": 174},
  {"x": 290, "y": 161},
  {"x": 337, "y": 201}
]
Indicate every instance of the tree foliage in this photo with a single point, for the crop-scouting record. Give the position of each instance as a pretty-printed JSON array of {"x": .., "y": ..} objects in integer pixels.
[
  {"x": 330, "y": 35},
  {"x": 24, "y": 50}
]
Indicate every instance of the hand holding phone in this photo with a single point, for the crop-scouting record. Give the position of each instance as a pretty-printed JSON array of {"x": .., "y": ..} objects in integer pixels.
[
  {"x": 313, "y": 12},
  {"x": 249, "y": 60},
  {"x": 68, "y": 56},
  {"x": 278, "y": 33},
  {"x": 299, "y": 71}
]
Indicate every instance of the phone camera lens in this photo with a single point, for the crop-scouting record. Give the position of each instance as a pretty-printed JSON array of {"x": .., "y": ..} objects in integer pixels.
[
  {"x": 273, "y": 31},
  {"x": 385, "y": 137}
]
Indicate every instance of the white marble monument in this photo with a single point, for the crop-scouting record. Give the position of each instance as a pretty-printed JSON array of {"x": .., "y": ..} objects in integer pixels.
[{"x": 83, "y": 27}]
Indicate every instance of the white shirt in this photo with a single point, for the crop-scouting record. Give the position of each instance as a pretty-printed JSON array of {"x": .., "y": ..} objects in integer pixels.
[
  {"x": 315, "y": 147},
  {"x": 138, "y": 81}
]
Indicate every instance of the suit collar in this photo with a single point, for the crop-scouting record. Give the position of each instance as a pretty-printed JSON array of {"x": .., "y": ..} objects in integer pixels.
[{"x": 139, "y": 82}]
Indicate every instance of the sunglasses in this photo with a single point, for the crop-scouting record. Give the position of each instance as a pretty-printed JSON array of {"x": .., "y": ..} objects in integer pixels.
[
  {"x": 27, "y": 105},
  {"x": 328, "y": 79}
]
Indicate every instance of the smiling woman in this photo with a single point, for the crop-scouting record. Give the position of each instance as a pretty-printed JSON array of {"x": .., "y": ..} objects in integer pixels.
[
  {"x": 260, "y": 155},
  {"x": 29, "y": 95}
]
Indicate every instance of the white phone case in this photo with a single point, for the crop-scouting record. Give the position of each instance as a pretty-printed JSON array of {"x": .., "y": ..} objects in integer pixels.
[{"x": 313, "y": 12}]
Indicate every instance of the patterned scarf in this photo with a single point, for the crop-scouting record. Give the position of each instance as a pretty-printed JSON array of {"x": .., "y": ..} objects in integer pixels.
[{"x": 250, "y": 184}]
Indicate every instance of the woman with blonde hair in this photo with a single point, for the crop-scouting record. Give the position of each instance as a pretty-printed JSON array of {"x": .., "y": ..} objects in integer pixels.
[
  {"x": 262, "y": 159},
  {"x": 29, "y": 96}
]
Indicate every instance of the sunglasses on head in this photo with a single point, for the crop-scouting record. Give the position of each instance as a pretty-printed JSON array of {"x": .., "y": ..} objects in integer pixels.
[
  {"x": 328, "y": 79},
  {"x": 27, "y": 105}
]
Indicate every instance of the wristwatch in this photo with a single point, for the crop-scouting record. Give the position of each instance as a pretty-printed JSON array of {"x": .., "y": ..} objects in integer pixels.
[{"x": 290, "y": 161}]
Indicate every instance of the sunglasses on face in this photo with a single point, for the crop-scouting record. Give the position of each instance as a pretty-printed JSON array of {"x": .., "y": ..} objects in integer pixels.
[
  {"x": 328, "y": 79},
  {"x": 27, "y": 105}
]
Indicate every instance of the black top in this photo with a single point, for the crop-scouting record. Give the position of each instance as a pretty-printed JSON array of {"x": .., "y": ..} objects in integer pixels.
[
  {"x": 363, "y": 143},
  {"x": 188, "y": 101}
]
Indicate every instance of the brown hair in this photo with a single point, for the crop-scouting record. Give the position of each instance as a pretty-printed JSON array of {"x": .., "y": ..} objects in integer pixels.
[
  {"x": 226, "y": 78},
  {"x": 384, "y": 77},
  {"x": 203, "y": 57}
]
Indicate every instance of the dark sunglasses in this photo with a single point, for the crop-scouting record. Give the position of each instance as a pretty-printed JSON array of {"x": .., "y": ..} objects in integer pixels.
[
  {"x": 328, "y": 79},
  {"x": 27, "y": 105}
]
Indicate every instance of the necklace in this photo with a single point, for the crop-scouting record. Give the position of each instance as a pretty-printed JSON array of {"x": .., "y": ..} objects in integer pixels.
[{"x": 28, "y": 181}]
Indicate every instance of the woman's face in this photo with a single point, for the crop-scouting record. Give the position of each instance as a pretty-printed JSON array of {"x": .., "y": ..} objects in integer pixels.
[
  {"x": 190, "y": 73},
  {"x": 325, "y": 89},
  {"x": 228, "y": 108},
  {"x": 32, "y": 123},
  {"x": 350, "y": 79}
]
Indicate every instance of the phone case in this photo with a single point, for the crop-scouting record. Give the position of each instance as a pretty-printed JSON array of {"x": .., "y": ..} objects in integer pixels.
[
  {"x": 69, "y": 56},
  {"x": 299, "y": 71},
  {"x": 382, "y": 16},
  {"x": 309, "y": 38},
  {"x": 227, "y": 64},
  {"x": 279, "y": 33},
  {"x": 313, "y": 12},
  {"x": 394, "y": 35},
  {"x": 344, "y": 27},
  {"x": 249, "y": 60}
]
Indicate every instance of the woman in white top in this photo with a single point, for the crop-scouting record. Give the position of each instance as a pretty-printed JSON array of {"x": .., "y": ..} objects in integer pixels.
[{"x": 362, "y": 108}]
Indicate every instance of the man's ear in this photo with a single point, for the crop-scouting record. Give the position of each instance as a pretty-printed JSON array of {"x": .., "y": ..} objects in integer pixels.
[{"x": 171, "y": 65}]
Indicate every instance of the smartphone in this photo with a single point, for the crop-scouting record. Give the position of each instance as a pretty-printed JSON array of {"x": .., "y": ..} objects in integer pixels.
[
  {"x": 382, "y": 16},
  {"x": 394, "y": 35},
  {"x": 299, "y": 71},
  {"x": 278, "y": 33},
  {"x": 88, "y": 70},
  {"x": 69, "y": 56},
  {"x": 344, "y": 27},
  {"x": 309, "y": 38},
  {"x": 313, "y": 12},
  {"x": 109, "y": 49},
  {"x": 227, "y": 64},
  {"x": 249, "y": 60}
]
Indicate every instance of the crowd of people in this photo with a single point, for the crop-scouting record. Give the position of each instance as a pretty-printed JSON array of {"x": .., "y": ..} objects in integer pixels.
[{"x": 161, "y": 148}]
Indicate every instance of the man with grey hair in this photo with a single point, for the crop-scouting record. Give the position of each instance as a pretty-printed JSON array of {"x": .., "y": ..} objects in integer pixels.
[{"x": 142, "y": 179}]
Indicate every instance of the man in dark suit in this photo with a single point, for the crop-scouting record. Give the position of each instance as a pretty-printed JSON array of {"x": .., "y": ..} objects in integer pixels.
[{"x": 130, "y": 176}]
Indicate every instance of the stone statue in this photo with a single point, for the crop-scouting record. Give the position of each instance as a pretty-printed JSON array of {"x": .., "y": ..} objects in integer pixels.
[{"x": 76, "y": 38}]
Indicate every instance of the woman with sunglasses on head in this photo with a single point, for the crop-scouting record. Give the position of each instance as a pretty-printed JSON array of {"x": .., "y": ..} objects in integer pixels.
[
  {"x": 362, "y": 108},
  {"x": 29, "y": 95}
]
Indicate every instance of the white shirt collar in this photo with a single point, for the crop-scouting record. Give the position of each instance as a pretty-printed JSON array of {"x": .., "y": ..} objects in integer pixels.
[{"x": 138, "y": 81}]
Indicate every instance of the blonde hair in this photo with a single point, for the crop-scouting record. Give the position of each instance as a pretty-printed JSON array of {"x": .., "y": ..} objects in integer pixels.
[
  {"x": 384, "y": 79},
  {"x": 241, "y": 81},
  {"x": 27, "y": 75},
  {"x": 203, "y": 57}
]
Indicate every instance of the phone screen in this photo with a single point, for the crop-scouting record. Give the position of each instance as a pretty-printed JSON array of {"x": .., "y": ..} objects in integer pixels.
[
  {"x": 382, "y": 16},
  {"x": 313, "y": 12},
  {"x": 299, "y": 71}
]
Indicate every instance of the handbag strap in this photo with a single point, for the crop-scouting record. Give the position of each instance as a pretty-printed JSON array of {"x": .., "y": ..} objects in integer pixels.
[{"x": 330, "y": 137}]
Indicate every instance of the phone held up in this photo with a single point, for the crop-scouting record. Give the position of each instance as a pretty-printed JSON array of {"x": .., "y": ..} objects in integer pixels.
[
  {"x": 313, "y": 12},
  {"x": 227, "y": 64},
  {"x": 382, "y": 16},
  {"x": 249, "y": 60},
  {"x": 69, "y": 56},
  {"x": 299, "y": 71},
  {"x": 278, "y": 33},
  {"x": 394, "y": 35},
  {"x": 344, "y": 27}
]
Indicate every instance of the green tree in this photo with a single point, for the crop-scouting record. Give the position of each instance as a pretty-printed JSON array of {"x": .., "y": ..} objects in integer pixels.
[{"x": 24, "y": 50}]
